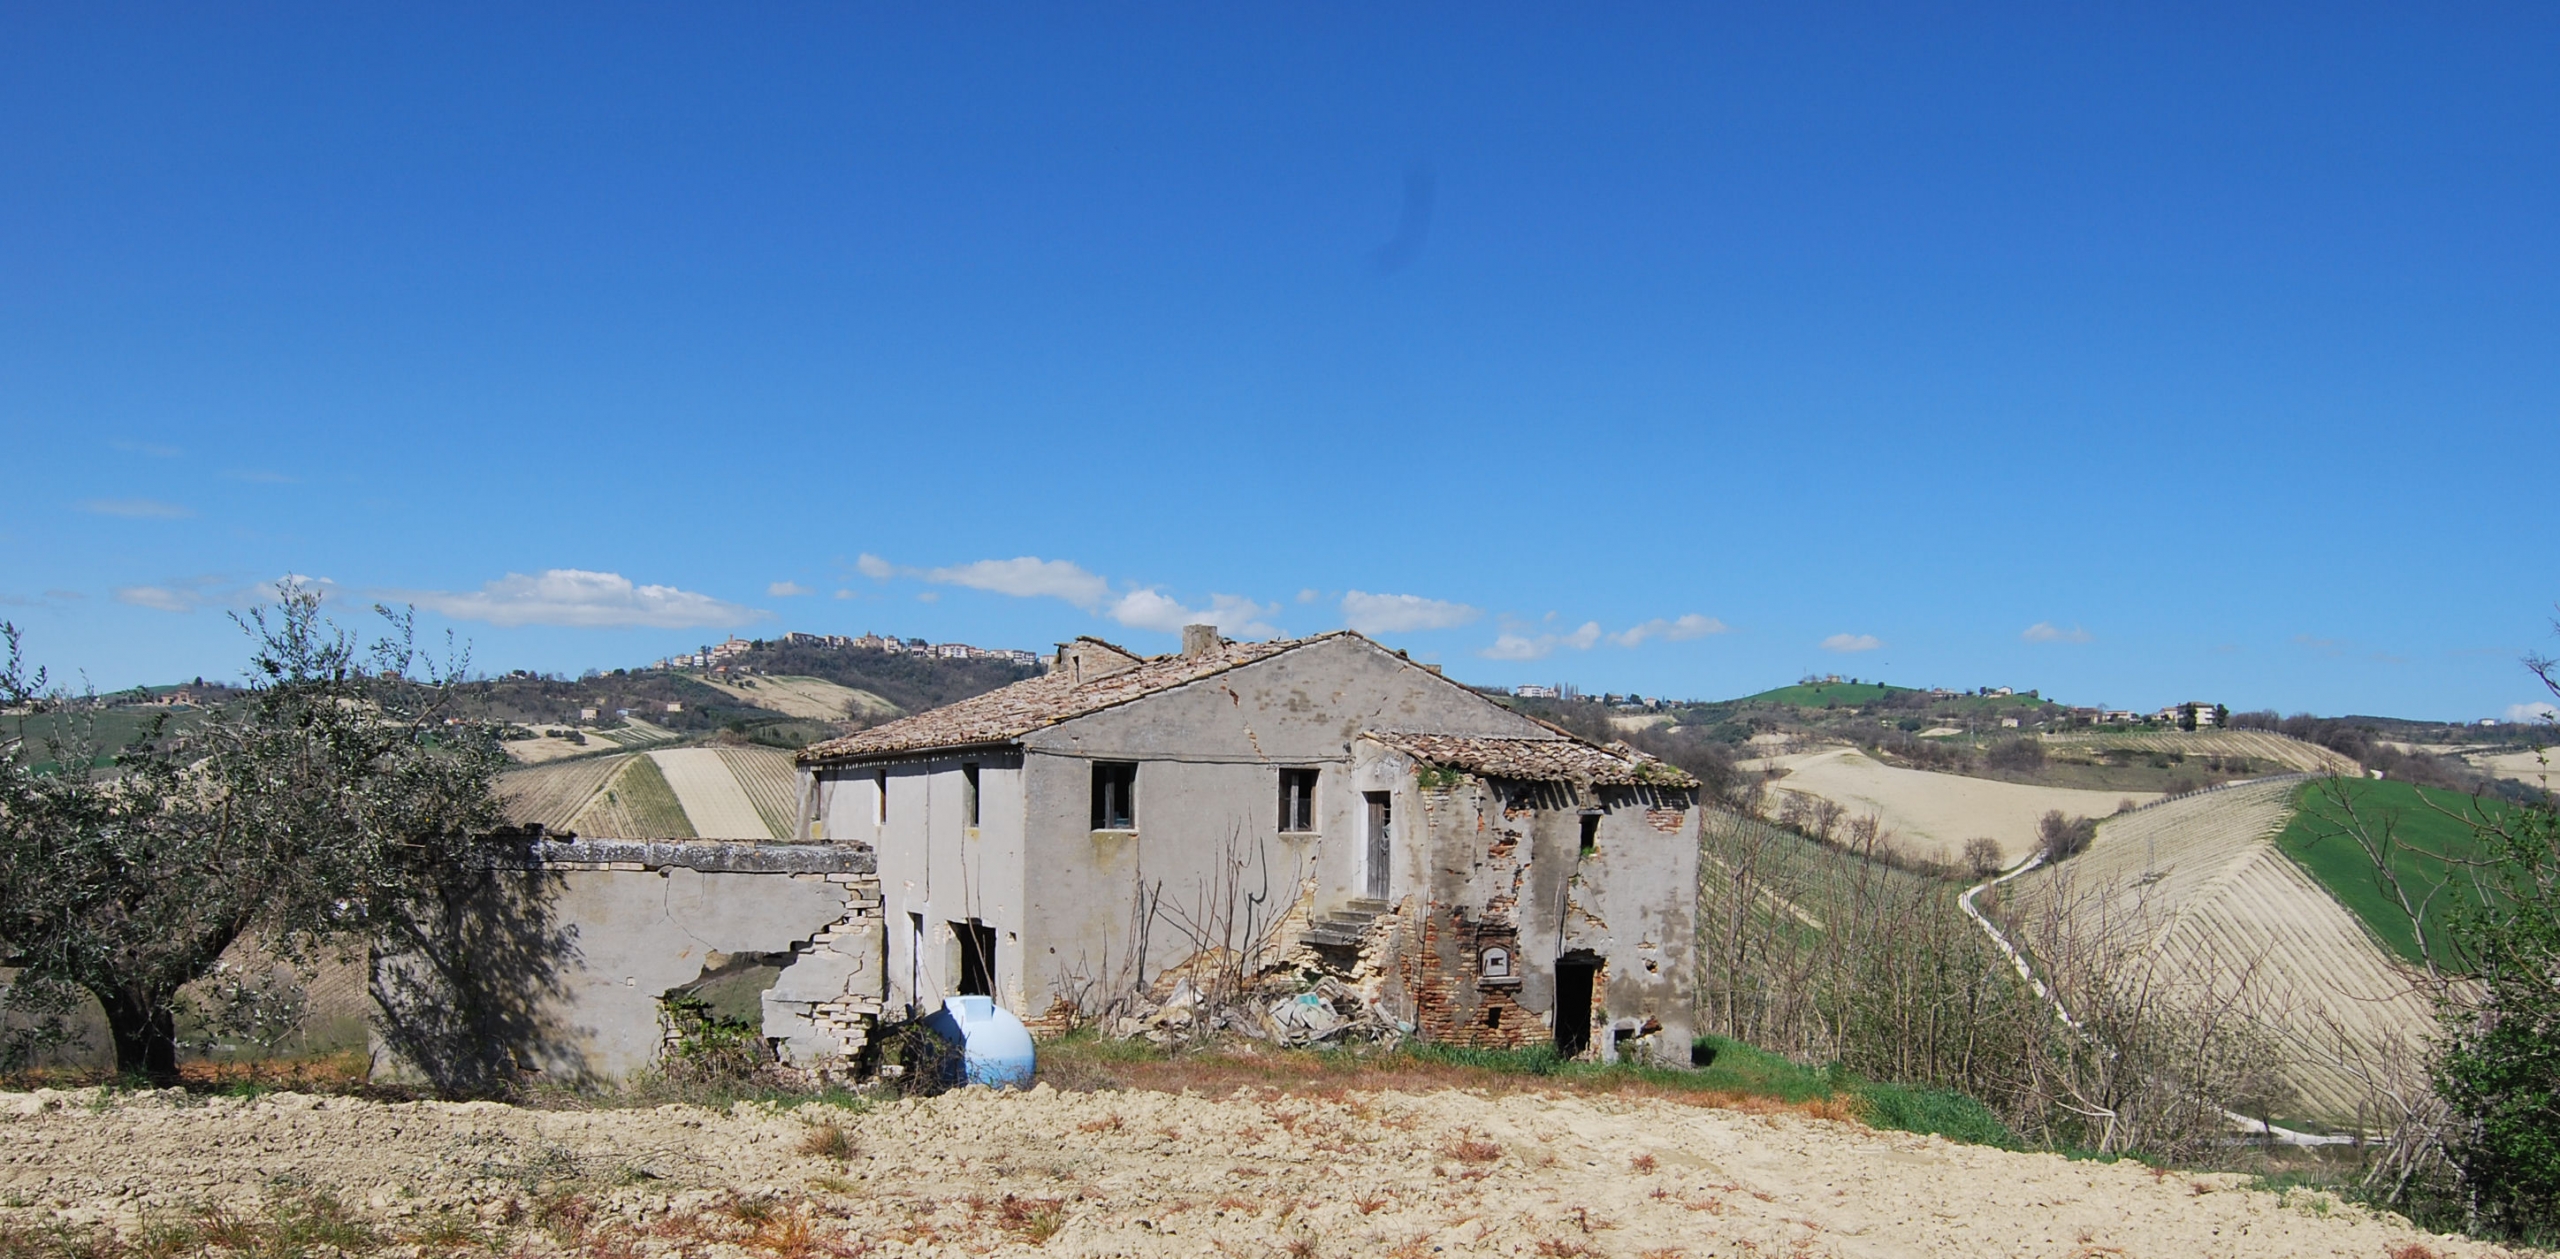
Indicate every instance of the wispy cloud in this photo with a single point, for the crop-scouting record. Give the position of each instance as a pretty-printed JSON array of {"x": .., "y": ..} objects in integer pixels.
[
  {"x": 1852, "y": 642},
  {"x": 153, "y": 449},
  {"x": 788, "y": 590},
  {"x": 1676, "y": 630},
  {"x": 159, "y": 598},
  {"x": 2048, "y": 632},
  {"x": 1138, "y": 607},
  {"x": 182, "y": 594},
  {"x": 583, "y": 599},
  {"x": 1519, "y": 646},
  {"x": 1025, "y": 577},
  {"x": 136, "y": 508},
  {"x": 1232, "y": 614},
  {"x": 260, "y": 476},
  {"x": 2538, "y": 710},
  {"x": 1399, "y": 614}
]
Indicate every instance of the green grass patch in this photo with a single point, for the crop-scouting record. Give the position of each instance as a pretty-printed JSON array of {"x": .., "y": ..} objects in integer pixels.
[
  {"x": 1940, "y": 1112},
  {"x": 2430, "y": 840}
]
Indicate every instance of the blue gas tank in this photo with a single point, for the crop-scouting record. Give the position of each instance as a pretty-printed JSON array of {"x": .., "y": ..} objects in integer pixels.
[{"x": 995, "y": 1048}]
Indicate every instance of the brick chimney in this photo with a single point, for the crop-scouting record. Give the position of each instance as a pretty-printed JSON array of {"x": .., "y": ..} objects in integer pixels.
[{"x": 1200, "y": 640}]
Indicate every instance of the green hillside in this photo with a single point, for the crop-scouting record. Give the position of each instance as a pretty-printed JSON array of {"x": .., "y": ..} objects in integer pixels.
[
  {"x": 1825, "y": 694},
  {"x": 2429, "y": 837}
]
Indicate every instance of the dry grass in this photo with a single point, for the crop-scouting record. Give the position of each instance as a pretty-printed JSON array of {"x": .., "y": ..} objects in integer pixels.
[
  {"x": 1472, "y": 1150},
  {"x": 829, "y": 1141},
  {"x": 1340, "y": 1076}
]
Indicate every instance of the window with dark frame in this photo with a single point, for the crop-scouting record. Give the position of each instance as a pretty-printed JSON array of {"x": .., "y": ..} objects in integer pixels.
[
  {"x": 1115, "y": 796},
  {"x": 969, "y": 795},
  {"x": 1297, "y": 800}
]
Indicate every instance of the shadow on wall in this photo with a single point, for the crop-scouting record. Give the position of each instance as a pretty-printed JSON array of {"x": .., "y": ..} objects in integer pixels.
[{"x": 461, "y": 978}]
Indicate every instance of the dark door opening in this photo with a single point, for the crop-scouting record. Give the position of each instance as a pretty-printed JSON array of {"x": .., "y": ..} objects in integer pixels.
[
  {"x": 1381, "y": 848},
  {"x": 977, "y": 958},
  {"x": 1573, "y": 1005}
]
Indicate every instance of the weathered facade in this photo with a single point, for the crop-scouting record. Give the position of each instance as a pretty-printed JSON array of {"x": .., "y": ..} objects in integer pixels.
[{"x": 1317, "y": 804}]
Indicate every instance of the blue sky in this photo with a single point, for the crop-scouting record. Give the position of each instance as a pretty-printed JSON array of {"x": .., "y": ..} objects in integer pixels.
[{"x": 2135, "y": 356}]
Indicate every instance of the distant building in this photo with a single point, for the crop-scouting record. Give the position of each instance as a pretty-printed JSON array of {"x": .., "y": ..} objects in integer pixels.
[
  {"x": 2120, "y": 717},
  {"x": 674, "y": 707},
  {"x": 1535, "y": 692}
]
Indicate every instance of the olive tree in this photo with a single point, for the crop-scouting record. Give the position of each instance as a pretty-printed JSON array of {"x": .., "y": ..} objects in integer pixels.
[{"x": 329, "y": 804}]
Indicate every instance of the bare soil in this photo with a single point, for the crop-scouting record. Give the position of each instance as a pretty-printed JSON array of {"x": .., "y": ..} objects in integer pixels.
[{"x": 1136, "y": 1173}]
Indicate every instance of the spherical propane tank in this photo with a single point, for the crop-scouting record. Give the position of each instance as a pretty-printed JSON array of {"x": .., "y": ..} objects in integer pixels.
[{"x": 995, "y": 1048}]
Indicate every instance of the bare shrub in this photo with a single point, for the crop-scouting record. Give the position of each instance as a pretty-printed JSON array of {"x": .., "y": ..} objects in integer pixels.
[
  {"x": 2065, "y": 837},
  {"x": 1982, "y": 856}
]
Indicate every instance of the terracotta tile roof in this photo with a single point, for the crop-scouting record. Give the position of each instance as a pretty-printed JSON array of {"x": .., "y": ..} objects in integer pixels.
[
  {"x": 1557, "y": 759},
  {"x": 1006, "y": 714}
]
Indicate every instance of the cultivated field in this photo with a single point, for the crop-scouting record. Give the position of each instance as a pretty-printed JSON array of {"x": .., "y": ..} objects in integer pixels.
[
  {"x": 814, "y": 698},
  {"x": 1933, "y": 814},
  {"x": 2291, "y": 754},
  {"x": 2199, "y": 885},
  {"x": 670, "y": 793},
  {"x": 1254, "y": 1173},
  {"x": 2533, "y": 769}
]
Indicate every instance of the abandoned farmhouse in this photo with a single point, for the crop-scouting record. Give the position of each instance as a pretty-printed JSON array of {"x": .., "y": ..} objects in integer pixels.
[{"x": 1121, "y": 831}]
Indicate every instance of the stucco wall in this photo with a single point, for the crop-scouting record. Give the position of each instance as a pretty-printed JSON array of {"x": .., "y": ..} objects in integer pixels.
[
  {"x": 635, "y": 920},
  {"x": 935, "y": 867}
]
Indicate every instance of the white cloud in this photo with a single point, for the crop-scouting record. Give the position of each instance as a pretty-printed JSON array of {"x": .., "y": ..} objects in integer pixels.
[
  {"x": 1026, "y": 577},
  {"x": 2538, "y": 710},
  {"x": 186, "y": 594},
  {"x": 1232, "y": 614},
  {"x": 1682, "y": 629},
  {"x": 577, "y": 597},
  {"x": 1516, "y": 646},
  {"x": 2047, "y": 632},
  {"x": 136, "y": 508},
  {"x": 1396, "y": 614},
  {"x": 788, "y": 590},
  {"x": 1852, "y": 642},
  {"x": 160, "y": 598},
  {"x": 844, "y": 594},
  {"x": 1308, "y": 595},
  {"x": 874, "y": 567}
]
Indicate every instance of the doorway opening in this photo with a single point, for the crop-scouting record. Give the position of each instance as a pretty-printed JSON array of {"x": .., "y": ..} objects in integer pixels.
[
  {"x": 1574, "y": 985},
  {"x": 1380, "y": 847},
  {"x": 977, "y": 943}
]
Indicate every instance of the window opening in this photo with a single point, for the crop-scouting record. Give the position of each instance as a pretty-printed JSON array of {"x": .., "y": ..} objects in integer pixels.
[
  {"x": 969, "y": 795},
  {"x": 1590, "y": 833},
  {"x": 1381, "y": 847},
  {"x": 977, "y": 958},
  {"x": 1115, "y": 796},
  {"x": 880, "y": 778},
  {"x": 1297, "y": 800}
]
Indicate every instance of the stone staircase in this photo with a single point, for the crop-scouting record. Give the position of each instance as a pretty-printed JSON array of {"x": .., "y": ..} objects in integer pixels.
[{"x": 1343, "y": 928}]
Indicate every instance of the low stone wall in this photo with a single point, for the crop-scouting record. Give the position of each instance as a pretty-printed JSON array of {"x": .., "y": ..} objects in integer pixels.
[
  {"x": 621, "y": 924},
  {"x": 650, "y": 917}
]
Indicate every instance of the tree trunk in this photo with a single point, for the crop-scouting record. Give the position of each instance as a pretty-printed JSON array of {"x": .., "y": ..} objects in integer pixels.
[{"x": 145, "y": 1032}]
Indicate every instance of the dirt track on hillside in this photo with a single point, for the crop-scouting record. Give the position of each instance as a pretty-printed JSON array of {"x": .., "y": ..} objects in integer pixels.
[{"x": 1143, "y": 1174}]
